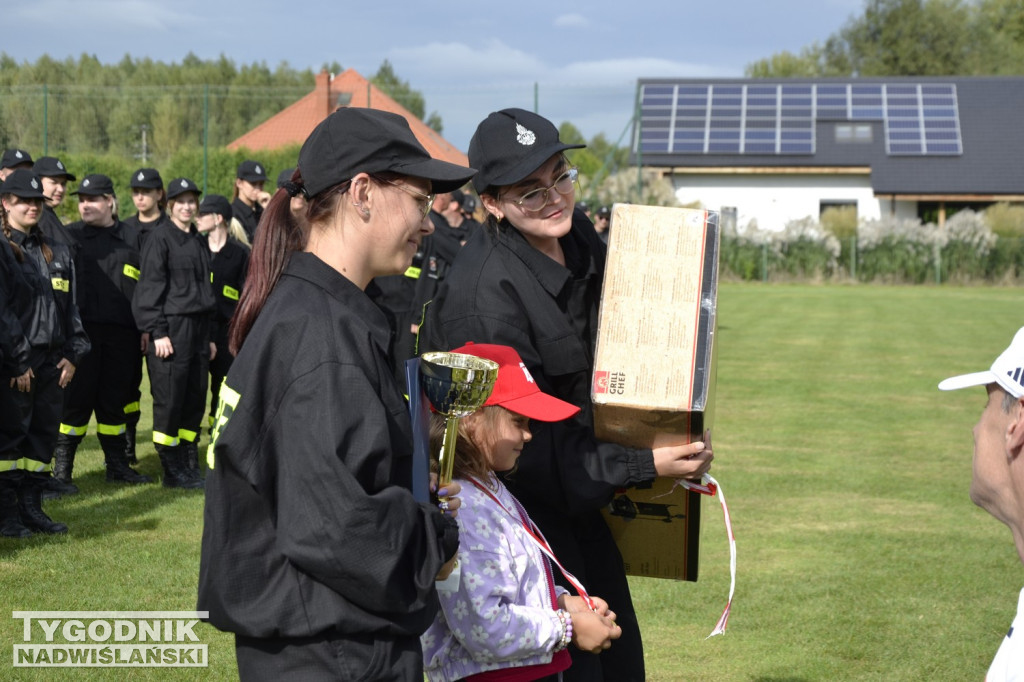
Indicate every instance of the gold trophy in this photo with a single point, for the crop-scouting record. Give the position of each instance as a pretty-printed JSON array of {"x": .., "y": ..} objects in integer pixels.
[{"x": 456, "y": 385}]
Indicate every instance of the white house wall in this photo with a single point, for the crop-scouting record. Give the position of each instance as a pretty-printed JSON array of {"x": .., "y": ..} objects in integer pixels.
[{"x": 774, "y": 200}]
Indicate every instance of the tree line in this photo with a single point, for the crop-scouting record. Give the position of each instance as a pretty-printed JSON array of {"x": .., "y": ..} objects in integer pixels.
[
  {"x": 913, "y": 38},
  {"x": 149, "y": 110}
]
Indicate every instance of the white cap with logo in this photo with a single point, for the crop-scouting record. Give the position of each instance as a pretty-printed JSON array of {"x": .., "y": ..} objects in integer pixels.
[{"x": 1007, "y": 371}]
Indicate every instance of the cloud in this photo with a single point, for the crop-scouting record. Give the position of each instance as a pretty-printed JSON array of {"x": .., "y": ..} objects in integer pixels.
[
  {"x": 572, "y": 21},
  {"x": 108, "y": 15}
]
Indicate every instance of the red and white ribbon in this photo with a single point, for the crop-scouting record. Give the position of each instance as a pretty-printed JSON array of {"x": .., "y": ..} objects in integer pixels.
[
  {"x": 538, "y": 539},
  {"x": 709, "y": 486}
]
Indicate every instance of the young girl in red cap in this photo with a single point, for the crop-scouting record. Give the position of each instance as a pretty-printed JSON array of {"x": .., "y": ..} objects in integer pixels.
[{"x": 503, "y": 617}]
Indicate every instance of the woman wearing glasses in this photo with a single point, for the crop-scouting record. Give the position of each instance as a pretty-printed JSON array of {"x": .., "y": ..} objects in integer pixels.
[
  {"x": 532, "y": 280},
  {"x": 315, "y": 553}
]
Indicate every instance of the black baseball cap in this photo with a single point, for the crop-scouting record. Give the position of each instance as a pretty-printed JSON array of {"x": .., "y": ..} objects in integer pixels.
[
  {"x": 179, "y": 186},
  {"x": 147, "y": 178},
  {"x": 510, "y": 144},
  {"x": 95, "y": 185},
  {"x": 251, "y": 171},
  {"x": 215, "y": 203},
  {"x": 24, "y": 184},
  {"x": 15, "y": 158},
  {"x": 51, "y": 167},
  {"x": 285, "y": 176},
  {"x": 355, "y": 140},
  {"x": 604, "y": 212}
]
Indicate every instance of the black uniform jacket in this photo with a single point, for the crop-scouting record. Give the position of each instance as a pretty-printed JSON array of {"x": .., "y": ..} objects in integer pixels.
[
  {"x": 248, "y": 216},
  {"x": 15, "y": 300},
  {"x": 228, "y": 268},
  {"x": 309, "y": 521},
  {"x": 51, "y": 323},
  {"x": 55, "y": 231},
  {"x": 137, "y": 231},
  {"x": 108, "y": 269},
  {"x": 175, "y": 279},
  {"x": 502, "y": 290}
]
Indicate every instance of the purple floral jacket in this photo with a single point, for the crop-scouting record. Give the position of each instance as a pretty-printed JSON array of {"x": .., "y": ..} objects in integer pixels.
[{"x": 496, "y": 609}]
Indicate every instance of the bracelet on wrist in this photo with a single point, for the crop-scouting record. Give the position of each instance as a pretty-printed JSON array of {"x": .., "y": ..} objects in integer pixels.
[{"x": 565, "y": 618}]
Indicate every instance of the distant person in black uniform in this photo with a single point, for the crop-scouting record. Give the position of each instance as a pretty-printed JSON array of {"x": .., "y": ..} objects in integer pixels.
[
  {"x": 229, "y": 263},
  {"x": 602, "y": 220},
  {"x": 55, "y": 176},
  {"x": 12, "y": 160},
  {"x": 31, "y": 405},
  {"x": 245, "y": 204},
  {"x": 150, "y": 201},
  {"x": 315, "y": 553},
  {"x": 174, "y": 304},
  {"x": 531, "y": 279},
  {"x": 108, "y": 270}
]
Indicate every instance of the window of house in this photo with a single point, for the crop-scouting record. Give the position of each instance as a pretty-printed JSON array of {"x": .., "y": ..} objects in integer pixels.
[{"x": 853, "y": 133}]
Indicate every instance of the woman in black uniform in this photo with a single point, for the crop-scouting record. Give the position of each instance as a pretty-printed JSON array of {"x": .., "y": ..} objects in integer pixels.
[
  {"x": 150, "y": 201},
  {"x": 31, "y": 403},
  {"x": 531, "y": 279},
  {"x": 246, "y": 204},
  {"x": 229, "y": 263},
  {"x": 315, "y": 553},
  {"x": 174, "y": 304},
  {"x": 108, "y": 270}
]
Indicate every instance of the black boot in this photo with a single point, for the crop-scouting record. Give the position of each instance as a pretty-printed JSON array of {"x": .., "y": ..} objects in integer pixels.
[
  {"x": 63, "y": 465},
  {"x": 10, "y": 517},
  {"x": 118, "y": 470},
  {"x": 30, "y": 505},
  {"x": 129, "y": 444},
  {"x": 176, "y": 475}
]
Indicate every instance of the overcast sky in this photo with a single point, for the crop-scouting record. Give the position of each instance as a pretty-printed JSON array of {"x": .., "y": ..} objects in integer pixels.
[{"x": 467, "y": 59}]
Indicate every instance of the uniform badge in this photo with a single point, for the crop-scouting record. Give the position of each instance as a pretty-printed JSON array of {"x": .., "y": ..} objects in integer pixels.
[
  {"x": 524, "y": 135},
  {"x": 141, "y": 176}
]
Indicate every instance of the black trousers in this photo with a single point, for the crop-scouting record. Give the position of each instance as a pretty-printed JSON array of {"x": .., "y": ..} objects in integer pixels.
[
  {"x": 29, "y": 421},
  {"x": 330, "y": 657},
  {"x": 104, "y": 381},
  {"x": 178, "y": 383}
]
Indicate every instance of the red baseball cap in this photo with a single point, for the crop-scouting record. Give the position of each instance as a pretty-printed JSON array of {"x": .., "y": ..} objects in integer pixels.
[{"x": 515, "y": 389}]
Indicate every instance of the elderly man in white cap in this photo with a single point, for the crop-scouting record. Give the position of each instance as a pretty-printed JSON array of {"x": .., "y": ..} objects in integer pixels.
[{"x": 997, "y": 485}]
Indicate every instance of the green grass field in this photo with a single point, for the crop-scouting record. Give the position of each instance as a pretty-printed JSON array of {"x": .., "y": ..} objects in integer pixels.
[{"x": 860, "y": 555}]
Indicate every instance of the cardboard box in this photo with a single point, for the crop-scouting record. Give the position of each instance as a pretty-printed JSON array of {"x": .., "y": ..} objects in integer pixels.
[{"x": 654, "y": 370}]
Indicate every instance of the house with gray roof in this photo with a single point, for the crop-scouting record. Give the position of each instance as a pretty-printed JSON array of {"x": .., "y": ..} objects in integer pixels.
[{"x": 775, "y": 150}]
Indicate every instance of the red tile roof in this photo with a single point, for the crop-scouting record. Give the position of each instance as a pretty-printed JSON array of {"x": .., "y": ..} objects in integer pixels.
[{"x": 294, "y": 124}]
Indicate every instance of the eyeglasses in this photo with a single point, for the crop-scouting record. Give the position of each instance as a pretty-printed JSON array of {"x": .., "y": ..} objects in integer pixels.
[
  {"x": 537, "y": 199},
  {"x": 428, "y": 198}
]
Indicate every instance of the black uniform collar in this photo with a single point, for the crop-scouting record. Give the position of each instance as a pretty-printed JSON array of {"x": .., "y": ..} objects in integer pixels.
[
  {"x": 91, "y": 231},
  {"x": 548, "y": 272},
  {"x": 180, "y": 235},
  {"x": 308, "y": 267},
  {"x": 20, "y": 237}
]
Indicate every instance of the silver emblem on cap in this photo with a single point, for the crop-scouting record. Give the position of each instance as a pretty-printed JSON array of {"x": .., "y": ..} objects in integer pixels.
[
  {"x": 85, "y": 183},
  {"x": 258, "y": 169},
  {"x": 184, "y": 183},
  {"x": 35, "y": 185},
  {"x": 524, "y": 135},
  {"x": 60, "y": 165},
  {"x": 17, "y": 154},
  {"x": 141, "y": 176}
]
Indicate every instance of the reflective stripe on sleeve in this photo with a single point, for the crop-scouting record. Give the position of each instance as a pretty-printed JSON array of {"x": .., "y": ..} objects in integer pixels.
[{"x": 131, "y": 272}]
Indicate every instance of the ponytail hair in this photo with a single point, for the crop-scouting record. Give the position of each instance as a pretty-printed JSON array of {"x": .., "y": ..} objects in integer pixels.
[
  {"x": 7, "y": 235},
  {"x": 280, "y": 233}
]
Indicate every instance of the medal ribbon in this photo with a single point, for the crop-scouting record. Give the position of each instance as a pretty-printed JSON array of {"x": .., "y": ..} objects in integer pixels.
[
  {"x": 538, "y": 538},
  {"x": 709, "y": 486}
]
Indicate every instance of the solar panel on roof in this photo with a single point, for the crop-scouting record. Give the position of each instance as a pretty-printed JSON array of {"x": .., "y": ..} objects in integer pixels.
[{"x": 780, "y": 118}]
